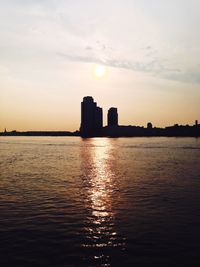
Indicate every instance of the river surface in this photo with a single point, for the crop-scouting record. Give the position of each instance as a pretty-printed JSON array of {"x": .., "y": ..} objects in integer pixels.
[{"x": 65, "y": 201}]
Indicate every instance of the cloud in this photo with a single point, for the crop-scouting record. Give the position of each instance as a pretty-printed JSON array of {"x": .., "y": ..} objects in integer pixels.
[
  {"x": 88, "y": 47},
  {"x": 136, "y": 36},
  {"x": 188, "y": 76},
  {"x": 153, "y": 67}
]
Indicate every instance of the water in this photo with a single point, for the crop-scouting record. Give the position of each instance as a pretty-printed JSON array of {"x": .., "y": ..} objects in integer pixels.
[{"x": 65, "y": 201}]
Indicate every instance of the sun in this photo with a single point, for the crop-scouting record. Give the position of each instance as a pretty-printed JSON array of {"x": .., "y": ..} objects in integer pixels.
[{"x": 99, "y": 71}]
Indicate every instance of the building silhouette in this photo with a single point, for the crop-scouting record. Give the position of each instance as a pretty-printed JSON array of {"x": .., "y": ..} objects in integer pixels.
[
  {"x": 98, "y": 120},
  {"x": 112, "y": 117},
  {"x": 149, "y": 125},
  {"x": 91, "y": 118}
]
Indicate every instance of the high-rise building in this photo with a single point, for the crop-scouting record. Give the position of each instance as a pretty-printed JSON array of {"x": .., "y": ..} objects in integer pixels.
[
  {"x": 112, "y": 117},
  {"x": 91, "y": 118},
  {"x": 98, "y": 120}
]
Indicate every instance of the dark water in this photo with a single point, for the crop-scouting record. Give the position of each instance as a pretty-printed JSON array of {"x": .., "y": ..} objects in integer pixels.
[{"x": 99, "y": 202}]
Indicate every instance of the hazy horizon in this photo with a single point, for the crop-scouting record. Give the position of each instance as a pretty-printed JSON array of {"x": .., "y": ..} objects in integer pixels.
[{"x": 50, "y": 52}]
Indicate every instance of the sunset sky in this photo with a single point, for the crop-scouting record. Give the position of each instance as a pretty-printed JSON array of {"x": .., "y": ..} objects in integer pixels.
[{"x": 148, "y": 50}]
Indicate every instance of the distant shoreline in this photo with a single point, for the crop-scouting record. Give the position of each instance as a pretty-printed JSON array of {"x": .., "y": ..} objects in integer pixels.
[
  {"x": 77, "y": 134},
  {"x": 40, "y": 133}
]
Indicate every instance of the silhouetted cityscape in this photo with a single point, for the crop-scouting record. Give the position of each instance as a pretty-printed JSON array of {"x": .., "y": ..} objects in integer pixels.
[{"x": 92, "y": 126}]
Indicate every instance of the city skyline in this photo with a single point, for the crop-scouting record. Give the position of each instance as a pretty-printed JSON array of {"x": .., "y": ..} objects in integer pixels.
[
  {"x": 93, "y": 120},
  {"x": 139, "y": 56},
  {"x": 91, "y": 125}
]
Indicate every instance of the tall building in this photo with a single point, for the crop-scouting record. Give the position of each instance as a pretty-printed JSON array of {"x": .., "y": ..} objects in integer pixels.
[
  {"x": 91, "y": 118},
  {"x": 112, "y": 117},
  {"x": 98, "y": 120}
]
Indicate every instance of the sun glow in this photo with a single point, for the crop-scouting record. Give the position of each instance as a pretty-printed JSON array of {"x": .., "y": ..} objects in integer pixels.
[{"x": 99, "y": 71}]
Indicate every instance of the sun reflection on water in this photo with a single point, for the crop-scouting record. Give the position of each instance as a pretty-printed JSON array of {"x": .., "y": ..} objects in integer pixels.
[{"x": 99, "y": 181}]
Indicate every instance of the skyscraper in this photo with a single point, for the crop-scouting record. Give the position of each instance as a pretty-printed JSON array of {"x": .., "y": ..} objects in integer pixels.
[
  {"x": 112, "y": 117},
  {"x": 91, "y": 118},
  {"x": 98, "y": 120}
]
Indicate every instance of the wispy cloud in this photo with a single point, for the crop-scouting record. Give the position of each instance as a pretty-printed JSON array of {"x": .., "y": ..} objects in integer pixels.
[
  {"x": 154, "y": 67},
  {"x": 137, "y": 43}
]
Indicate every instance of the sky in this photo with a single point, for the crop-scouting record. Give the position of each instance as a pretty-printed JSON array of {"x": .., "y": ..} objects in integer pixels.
[{"x": 49, "y": 50}]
